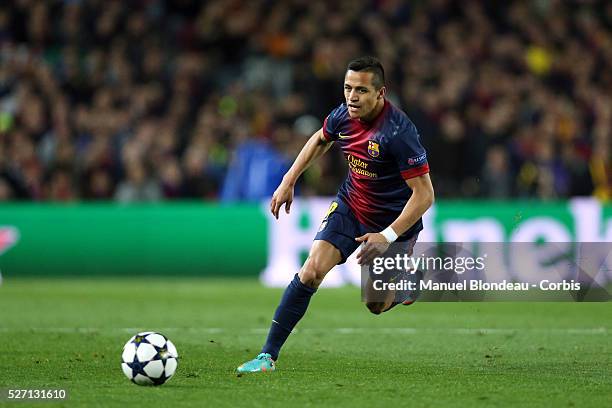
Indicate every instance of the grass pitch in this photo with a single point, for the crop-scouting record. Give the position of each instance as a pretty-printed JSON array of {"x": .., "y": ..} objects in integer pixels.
[{"x": 69, "y": 334}]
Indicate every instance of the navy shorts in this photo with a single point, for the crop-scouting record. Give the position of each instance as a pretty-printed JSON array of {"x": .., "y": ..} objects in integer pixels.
[{"x": 340, "y": 228}]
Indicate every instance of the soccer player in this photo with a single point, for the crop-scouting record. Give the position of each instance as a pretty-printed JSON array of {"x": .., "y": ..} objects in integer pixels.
[{"x": 387, "y": 191}]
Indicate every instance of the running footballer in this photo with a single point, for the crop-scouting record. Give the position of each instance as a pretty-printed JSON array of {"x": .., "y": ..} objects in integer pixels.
[{"x": 382, "y": 200}]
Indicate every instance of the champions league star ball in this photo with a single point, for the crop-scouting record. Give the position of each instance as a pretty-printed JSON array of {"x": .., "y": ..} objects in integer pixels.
[{"x": 149, "y": 358}]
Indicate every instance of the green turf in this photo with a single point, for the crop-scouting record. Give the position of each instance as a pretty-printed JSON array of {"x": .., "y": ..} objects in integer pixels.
[{"x": 69, "y": 334}]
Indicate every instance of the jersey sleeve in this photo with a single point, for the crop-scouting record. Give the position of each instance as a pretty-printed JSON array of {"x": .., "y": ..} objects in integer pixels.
[
  {"x": 409, "y": 153},
  {"x": 332, "y": 122}
]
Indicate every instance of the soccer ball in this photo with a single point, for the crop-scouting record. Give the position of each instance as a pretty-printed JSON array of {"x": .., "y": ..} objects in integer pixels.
[{"x": 149, "y": 358}]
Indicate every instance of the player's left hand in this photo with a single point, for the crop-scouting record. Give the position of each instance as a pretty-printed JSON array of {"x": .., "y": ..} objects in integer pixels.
[{"x": 374, "y": 244}]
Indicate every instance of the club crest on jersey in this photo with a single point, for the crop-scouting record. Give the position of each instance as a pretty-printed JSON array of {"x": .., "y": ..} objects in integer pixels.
[{"x": 373, "y": 148}]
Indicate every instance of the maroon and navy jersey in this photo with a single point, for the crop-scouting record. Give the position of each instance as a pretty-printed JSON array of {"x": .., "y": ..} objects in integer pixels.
[{"x": 381, "y": 156}]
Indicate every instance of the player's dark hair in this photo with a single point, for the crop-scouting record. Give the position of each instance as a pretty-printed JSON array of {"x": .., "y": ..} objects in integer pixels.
[{"x": 369, "y": 64}]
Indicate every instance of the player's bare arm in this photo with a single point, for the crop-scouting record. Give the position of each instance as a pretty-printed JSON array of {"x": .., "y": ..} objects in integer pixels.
[
  {"x": 314, "y": 148},
  {"x": 422, "y": 198}
]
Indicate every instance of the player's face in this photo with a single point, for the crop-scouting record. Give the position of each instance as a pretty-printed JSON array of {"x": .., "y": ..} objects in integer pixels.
[{"x": 363, "y": 100}]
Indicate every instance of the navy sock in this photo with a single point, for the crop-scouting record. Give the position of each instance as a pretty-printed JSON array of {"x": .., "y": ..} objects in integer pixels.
[{"x": 290, "y": 310}]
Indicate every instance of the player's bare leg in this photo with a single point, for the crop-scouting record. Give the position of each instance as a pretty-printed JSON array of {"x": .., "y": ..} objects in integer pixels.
[
  {"x": 322, "y": 258},
  {"x": 383, "y": 301},
  {"x": 378, "y": 302}
]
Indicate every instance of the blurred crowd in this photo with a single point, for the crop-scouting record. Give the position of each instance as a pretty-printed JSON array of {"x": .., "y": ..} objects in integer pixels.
[{"x": 152, "y": 99}]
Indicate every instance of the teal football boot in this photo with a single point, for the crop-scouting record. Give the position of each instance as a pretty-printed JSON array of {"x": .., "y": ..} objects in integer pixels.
[{"x": 263, "y": 362}]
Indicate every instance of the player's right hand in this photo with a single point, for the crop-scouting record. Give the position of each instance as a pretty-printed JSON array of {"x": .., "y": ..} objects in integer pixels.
[{"x": 282, "y": 195}]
